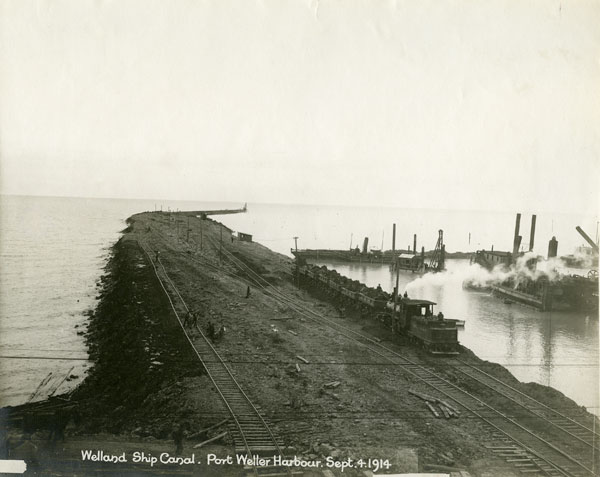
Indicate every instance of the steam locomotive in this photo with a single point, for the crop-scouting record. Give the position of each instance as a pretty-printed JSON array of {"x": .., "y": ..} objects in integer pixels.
[{"x": 411, "y": 317}]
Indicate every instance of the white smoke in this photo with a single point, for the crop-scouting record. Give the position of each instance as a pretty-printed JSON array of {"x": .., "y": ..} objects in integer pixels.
[
  {"x": 528, "y": 266},
  {"x": 584, "y": 256}
]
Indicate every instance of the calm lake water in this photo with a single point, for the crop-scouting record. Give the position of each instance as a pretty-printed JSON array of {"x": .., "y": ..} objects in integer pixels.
[{"x": 53, "y": 250}]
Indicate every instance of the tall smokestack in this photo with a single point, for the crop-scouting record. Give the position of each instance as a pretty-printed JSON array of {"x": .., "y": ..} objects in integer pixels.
[
  {"x": 394, "y": 238},
  {"x": 532, "y": 234},
  {"x": 415, "y": 244},
  {"x": 517, "y": 238},
  {"x": 552, "y": 248},
  {"x": 365, "y": 245}
]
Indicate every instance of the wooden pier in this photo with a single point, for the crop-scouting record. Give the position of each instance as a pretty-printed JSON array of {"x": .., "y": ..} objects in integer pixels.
[{"x": 204, "y": 213}]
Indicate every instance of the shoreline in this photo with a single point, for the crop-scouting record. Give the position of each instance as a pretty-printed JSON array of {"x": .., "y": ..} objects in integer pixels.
[{"x": 145, "y": 376}]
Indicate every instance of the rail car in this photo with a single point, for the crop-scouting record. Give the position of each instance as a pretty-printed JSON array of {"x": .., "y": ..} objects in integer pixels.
[{"x": 413, "y": 318}]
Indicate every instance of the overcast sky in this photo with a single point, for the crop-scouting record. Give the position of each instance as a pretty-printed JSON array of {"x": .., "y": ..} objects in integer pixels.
[{"x": 465, "y": 104}]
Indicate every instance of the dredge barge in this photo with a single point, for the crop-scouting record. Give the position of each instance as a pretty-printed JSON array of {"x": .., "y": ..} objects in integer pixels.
[{"x": 525, "y": 283}]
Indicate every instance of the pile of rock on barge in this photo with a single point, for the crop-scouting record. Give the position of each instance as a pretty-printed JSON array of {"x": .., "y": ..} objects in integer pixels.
[{"x": 412, "y": 317}]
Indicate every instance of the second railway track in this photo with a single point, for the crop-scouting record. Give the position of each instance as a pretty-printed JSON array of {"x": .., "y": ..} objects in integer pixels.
[{"x": 583, "y": 433}]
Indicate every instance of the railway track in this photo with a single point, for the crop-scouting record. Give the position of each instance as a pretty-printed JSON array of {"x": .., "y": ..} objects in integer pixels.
[
  {"x": 530, "y": 452},
  {"x": 250, "y": 432},
  {"x": 577, "y": 431}
]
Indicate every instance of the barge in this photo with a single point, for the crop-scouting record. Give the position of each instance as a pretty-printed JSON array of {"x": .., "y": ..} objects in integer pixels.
[
  {"x": 433, "y": 260},
  {"x": 527, "y": 285}
]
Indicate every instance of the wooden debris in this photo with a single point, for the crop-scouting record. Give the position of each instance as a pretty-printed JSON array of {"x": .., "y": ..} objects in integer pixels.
[
  {"x": 220, "y": 436},
  {"x": 445, "y": 468},
  {"x": 302, "y": 359},
  {"x": 451, "y": 408},
  {"x": 61, "y": 381},
  {"x": 202, "y": 431},
  {"x": 293, "y": 332},
  {"x": 448, "y": 410},
  {"x": 432, "y": 409},
  {"x": 42, "y": 383},
  {"x": 333, "y": 384},
  {"x": 297, "y": 367},
  {"x": 502, "y": 447},
  {"x": 425, "y": 397}
]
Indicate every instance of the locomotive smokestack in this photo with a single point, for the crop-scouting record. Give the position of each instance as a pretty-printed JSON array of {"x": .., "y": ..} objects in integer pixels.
[
  {"x": 517, "y": 238},
  {"x": 532, "y": 234},
  {"x": 393, "y": 237},
  {"x": 552, "y": 248},
  {"x": 415, "y": 244}
]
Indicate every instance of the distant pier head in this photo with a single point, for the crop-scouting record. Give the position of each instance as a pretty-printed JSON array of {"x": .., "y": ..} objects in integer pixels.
[{"x": 204, "y": 213}]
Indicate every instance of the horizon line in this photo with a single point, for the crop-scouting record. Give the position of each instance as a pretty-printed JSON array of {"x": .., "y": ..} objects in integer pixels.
[{"x": 522, "y": 211}]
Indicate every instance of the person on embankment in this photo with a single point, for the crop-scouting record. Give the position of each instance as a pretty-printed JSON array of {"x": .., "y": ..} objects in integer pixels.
[{"x": 178, "y": 434}]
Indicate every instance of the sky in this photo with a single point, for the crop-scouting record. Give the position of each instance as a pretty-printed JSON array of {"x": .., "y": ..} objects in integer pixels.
[{"x": 453, "y": 104}]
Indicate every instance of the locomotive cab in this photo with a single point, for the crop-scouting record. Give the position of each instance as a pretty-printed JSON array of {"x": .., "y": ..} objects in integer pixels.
[
  {"x": 435, "y": 334},
  {"x": 420, "y": 309}
]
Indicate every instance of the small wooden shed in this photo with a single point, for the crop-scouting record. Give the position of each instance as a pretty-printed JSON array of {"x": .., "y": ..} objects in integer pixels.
[{"x": 244, "y": 237}]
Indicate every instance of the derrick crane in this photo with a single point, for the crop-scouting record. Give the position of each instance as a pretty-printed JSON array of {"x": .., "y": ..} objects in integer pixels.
[{"x": 436, "y": 262}]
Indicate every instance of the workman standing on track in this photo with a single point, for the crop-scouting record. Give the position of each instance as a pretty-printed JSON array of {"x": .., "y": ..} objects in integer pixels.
[
  {"x": 178, "y": 438},
  {"x": 190, "y": 319},
  {"x": 210, "y": 330}
]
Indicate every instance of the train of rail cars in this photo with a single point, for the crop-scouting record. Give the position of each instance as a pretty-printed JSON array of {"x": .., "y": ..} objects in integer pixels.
[{"x": 412, "y": 317}]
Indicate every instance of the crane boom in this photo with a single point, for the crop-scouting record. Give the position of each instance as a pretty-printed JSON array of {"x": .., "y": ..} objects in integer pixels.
[{"x": 587, "y": 239}]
